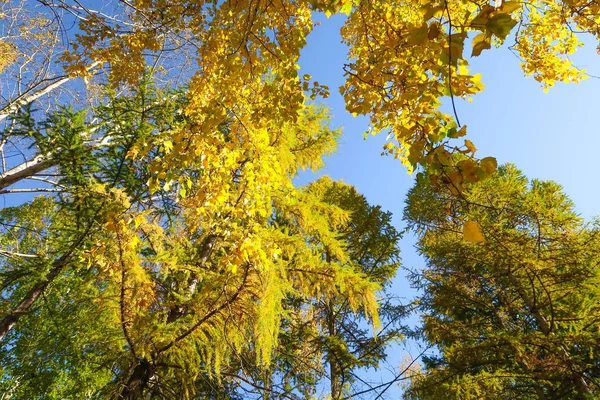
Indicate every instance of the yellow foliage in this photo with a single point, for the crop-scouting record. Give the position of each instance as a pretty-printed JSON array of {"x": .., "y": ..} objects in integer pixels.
[
  {"x": 404, "y": 58},
  {"x": 9, "y": 54}
]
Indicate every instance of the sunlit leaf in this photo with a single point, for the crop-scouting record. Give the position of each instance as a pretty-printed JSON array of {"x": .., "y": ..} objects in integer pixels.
[
  {"x": 472, "y": 232},
  {"x": 481, "y": 42}
]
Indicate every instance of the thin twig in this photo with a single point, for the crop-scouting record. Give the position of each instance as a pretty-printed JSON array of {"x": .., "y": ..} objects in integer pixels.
[{"x": 450, "y": 63}]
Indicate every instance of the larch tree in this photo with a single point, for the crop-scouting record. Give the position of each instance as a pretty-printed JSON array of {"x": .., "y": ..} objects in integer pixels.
[
  {"x": 346, "y": 343},
  {"x": 325, "y": 342},
  {"x": 404, "y": 59},
  {"x": 510, "y": 291}
]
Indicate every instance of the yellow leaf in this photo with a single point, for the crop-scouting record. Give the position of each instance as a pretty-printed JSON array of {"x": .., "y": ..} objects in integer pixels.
[
  {"x": 472, "y": 232},
  {"x": 134, "y": 241},
  {"x": 470, "y": 146},
  {"x": 468, "y": 169},
  {"x": 346, "y": 8},
  {"x": 138, "y": 220},
  {"x": 510, "y": 6},
  {"x": 489, "y": 165},
  {"x": 418, "y": 36},
  {"x": 455, "y": 183},
  {"x": 434, "y": 31}
]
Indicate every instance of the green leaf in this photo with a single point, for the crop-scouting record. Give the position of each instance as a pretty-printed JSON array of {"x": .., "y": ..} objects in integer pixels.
[
  {"x": 453, "y": 133},
  {"x": 346, "y": 7},
  {"x": 501, "y": 25}
]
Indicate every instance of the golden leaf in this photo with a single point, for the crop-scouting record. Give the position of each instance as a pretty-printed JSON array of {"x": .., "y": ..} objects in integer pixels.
[
  {"x": 489, "y": 165},
  {"x": 481, "y": 42},
  {"x": 472, "y": 232},
  {"x": 470, "y": 146}
]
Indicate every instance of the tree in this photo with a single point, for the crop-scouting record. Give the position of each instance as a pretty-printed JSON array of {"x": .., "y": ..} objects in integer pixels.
[
  {"x": 163, "y": 203},
  {"x": 325, "y": 341},
  {"x": 90, "y": 173},
  {"x": 512, "y": 305},
  {"x": 161, "y": 230},
  {"x": 171, "y": 254},
  {"x": 341, "y": 337},
  {"x": 404, "y": 58}
]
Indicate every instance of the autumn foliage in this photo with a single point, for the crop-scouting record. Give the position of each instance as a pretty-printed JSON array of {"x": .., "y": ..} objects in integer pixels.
[{"x": 168, "y": 252}]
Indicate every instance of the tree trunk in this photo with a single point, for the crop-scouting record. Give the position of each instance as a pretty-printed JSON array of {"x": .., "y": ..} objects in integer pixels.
[
  {"x": 138, "y": 381},
  {"x": 334, "y": 368}
]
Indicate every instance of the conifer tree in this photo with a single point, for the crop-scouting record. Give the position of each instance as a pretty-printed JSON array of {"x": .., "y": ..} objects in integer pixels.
[
  {"x": 325, "y": 341},
  {"x": 510, "y": 302}
]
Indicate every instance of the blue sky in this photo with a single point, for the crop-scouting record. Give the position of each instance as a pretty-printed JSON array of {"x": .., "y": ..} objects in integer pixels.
[{"x": 550, "y": 136}]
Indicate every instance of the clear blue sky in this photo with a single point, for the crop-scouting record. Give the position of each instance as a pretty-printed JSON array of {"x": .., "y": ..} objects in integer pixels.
[{"x": 550, "y": 136}]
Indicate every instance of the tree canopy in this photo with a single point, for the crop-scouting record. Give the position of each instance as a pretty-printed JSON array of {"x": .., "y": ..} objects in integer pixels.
[
  {"x": 154, "y": 244},
  {"x": 511, "y": 307}
]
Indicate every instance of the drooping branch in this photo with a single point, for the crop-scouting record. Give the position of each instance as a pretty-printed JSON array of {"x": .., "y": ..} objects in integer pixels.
[
  {"x": 209, "y": 315},
  {"x": 145, "y": 369}
]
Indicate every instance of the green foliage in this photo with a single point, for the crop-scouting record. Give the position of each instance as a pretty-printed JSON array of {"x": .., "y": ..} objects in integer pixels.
[
  {"x": 323, "y": 340},
  {"x": 514, "y": 315}
]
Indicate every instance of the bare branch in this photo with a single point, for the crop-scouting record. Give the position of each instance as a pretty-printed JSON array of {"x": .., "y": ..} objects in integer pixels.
[
  {"x": 13, "y": 106},
  {"x": 29, "y": 168},
  {"x": 12, "y": 254}
]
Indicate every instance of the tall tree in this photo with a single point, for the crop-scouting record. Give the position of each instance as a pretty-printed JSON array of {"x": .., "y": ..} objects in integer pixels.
[
  {"x": 510, "y": 291},
  {"x": 325, "y": 341},
  {"x": 404, "y": 59},
  {"x": 342, "y": 338},
  {"x": 166, "y": 204},
  {"x": 182, "y": 264}
]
